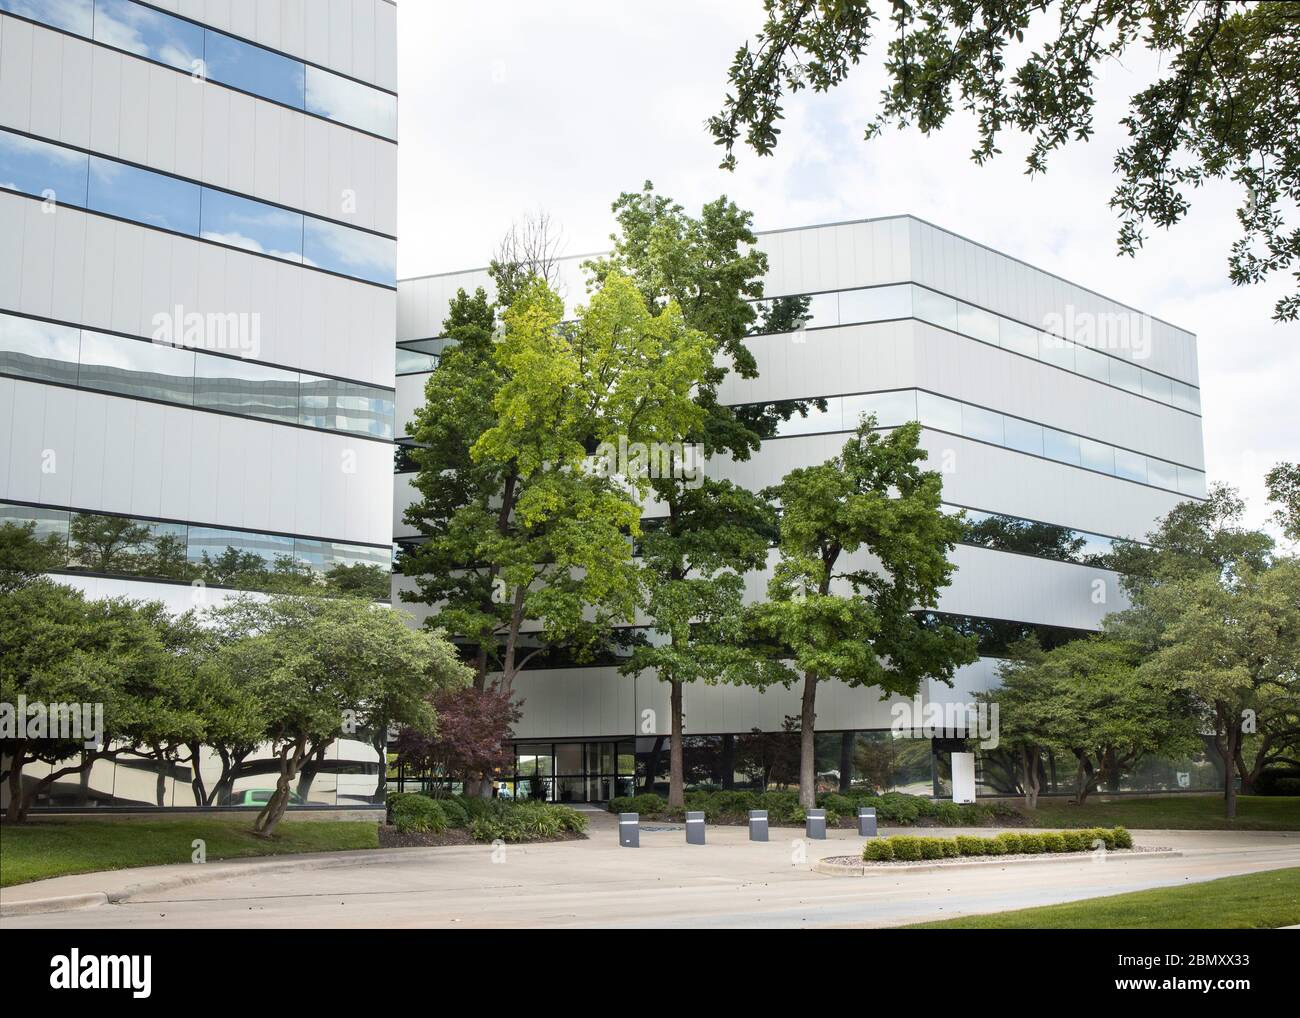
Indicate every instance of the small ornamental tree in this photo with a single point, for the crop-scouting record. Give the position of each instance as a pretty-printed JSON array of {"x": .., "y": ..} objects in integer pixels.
[
  {"x": 472, "y": 739},
  {"x": 857, "y": 621}
]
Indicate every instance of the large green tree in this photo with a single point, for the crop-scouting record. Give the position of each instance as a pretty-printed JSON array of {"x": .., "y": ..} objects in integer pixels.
[
  {"x": 1283, "y": 483},
  {"x": 1224, "y": 103},
  {"x": 863, "y": 553}
]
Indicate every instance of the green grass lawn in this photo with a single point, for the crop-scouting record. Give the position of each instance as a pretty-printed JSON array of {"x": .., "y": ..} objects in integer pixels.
[
  {"x": 1172, "y": 813},
  {"x": 1256, "y": 901},
  {"x": 38, "y": 849}
]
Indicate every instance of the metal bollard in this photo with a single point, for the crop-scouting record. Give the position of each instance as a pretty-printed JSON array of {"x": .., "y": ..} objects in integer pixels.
[
  {"x": 758, "y": 825},
  {"x": 867, "y": 821},
  {"x": 815, "y": 825},
  {"x": 695, "y": 828},
  {"x": 629, "y": 830}
]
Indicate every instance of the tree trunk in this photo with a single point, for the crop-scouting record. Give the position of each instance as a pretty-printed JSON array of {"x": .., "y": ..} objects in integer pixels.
[
  {"x": 728, "y": 762},
  {"x": 290, "y": 760},
  {"x": 676, "y": 776},
  {"x": 1029, "y": 764},
  {"x": 15, "y": 814},
  {"x": 160, "y": 780},
  {"x": 807, "y": 744},
  {"x": 1232, "y": 747}
]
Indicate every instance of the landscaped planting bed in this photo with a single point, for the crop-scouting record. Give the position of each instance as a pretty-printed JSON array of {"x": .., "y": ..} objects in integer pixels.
[
  {"x": 909, "y": 849},
  {"x": 421, "y": 820}
]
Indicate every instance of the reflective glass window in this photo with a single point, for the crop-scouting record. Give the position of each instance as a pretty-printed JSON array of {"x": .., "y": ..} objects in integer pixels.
[
  {"x": 1185, "y": 397},
  {"x": 41, "y": 169},
  {"x": 935, "y": 308},
  {"x": 235, "y": 386},
  {"x": 70, "y": 15},
  {"x": 234, "y": 558},
  {"x": 119, "y": 545},
  {"x": 1157, "y": 386},
  {"x": 411, "y": 362},
  {"x": 1161, "y": 474},
  {"x": 817, "y": 421},
  {"x": 1191, "y": 482},
  {"x": 891, "y": 408},
  {"x": 940, "y": 413},
  {"x": 45, "y": 523},
  {"x": 1018, "y": 338},
  {"x": 350, "y": 102},
  {"x": 1130, "y": 465},
  {"x": 976, "y": 323},
  {"x": 133, "y": 367},
  {"x": 981, "y": 424},
  {"x": 1125, "y": 375},
  {"x": 251, "y": 225},
  {"x": 1093, "y": 364},
  {"x": 876, "y": 304},
  {"x": 1024, "y": 435},
  {"x": 345, "y": 406},
  {"x": 254, "y": 69},
  {"x": 823, "y": 310},
  {"x": 143, "y": 196},
  {"x": 1055, "y": 350},
  {"x": 1096, "y": 456},
  {"x": 1059, "y": 445},
  {"x": 39, "y": 350},
  {"x": 148, "y": 33},
  {"x": 350, "y": 252}
]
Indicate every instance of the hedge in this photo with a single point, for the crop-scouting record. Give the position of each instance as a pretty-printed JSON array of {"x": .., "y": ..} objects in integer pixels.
[
  {"x": 911, "y": 848},
  {"x": 485, "y": 819},
  {"x": 418, "y": 814},
  {"x": 783, "y": 809}
]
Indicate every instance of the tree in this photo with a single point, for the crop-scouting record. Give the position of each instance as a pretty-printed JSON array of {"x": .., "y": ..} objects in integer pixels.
[
  {"x": 1023, "y": 690},
  {"x": 1224, "y": 106},
  {"x": 320, "y": 667},
  {"x": 24, "y": 556},
  {"x": 858, "y": 622},
  {"x": 472, "y": 740},
  {"x": 1283, "y": 483}
]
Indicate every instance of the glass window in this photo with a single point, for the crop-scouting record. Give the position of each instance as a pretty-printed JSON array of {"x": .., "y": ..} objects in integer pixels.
[
  {"x": 817, "y": 421},
  {"x": 568, "y": 758},
  {"x": 1161, "y": 474},
  {"x": 1186, "y": 397},
  {"x": 143, "y": 196},
  {"x": 235, "y": 558},
  {"x": 118, "y": 545},
  {"x": 1059, "y": 445},
  {"x": 241, "y": 387},
  {"x": 978, "y": 324},
  {"x": 46, "y": 523},
  {"x": 1131, "y": 465},
  {"x": 1191, "y": 482},
  {"x": 984, "y": 425},
  {"x": 350, "y": 102},
  {"x": 1096, "y": 456},
  {"x": 934, "y": 307},
  {"x": 32, "y": 349},
  {"x": 940, "y": 413},
  {"x": 254, "y": 69},
  {"x": 1024, "y": 435},
  {"x": 70, "y": 15},
  {"x": 148, "y": 33},
  {"x": 823, "y": 310},
  {"x": 1091, "y": 363},
  {"x": 891, "y": 408},
  {"x": 875, "y": 304},
  {"x": 346, "y": 406},
  {"x": 41, "y": 169},
  {"x": 251, "y": 225},
  {"x": 1126, "y": 375},
  {"x": 411, "y": 362},
  {"x": 1055, "y": 350},
  {"x": 350, "y": 252},
  {"x": 1018, "y": 338},
  {"x": 1157, "y": 386},
  {"x": 133, "y": 367}
]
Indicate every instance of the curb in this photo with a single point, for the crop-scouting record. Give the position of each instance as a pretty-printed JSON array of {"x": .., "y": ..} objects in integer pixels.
[
  {"x": 61, "y": 903},
  {"x": 861, "y": 870}
]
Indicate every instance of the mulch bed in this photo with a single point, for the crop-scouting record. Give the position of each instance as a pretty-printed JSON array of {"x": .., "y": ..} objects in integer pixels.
[{"x": 391, "y": 837}]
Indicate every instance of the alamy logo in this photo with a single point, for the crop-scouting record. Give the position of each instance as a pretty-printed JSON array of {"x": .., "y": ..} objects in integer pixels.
[
  {"x": 66, "y": 722},
  {"x": 75, "y": 971},
  {"x": 238, "y": 332},
  {"x": 913, "y": 719},
  {"x": 1101, "y": 330},
  {"x": 657, "y": 460}
]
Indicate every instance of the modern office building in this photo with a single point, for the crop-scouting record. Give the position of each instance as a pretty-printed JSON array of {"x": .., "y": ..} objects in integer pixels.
[
  {"x": 197, "y": 305},
  {"x": 1060, "y": 420}
]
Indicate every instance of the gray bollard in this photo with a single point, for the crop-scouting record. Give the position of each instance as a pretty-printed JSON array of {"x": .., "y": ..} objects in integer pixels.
[
  {"x": 867, "y": 821},
  {"x": 629, "y": 830},
  {"x": 695, "y": 828},
  {"x": 758, "y": 825},
  {"x": 815, "y": 825}
]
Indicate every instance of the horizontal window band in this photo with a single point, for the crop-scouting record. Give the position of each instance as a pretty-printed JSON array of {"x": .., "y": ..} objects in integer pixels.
[
  {"x": 191, "y": 180},
  {"x": 361, "y": 436},
  {"x": 196, "y": 349},
  {"x": 229, "y": 86}
]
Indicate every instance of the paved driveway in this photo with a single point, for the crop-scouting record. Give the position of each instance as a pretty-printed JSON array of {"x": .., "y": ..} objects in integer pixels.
[{"x": 665, "y": 883}]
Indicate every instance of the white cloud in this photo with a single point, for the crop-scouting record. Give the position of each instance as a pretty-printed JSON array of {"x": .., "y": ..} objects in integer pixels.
[{"x": 561, "y": 107}]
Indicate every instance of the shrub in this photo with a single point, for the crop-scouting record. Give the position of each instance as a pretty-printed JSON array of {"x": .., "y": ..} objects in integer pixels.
[
  {"x": 418, "y": 814},
  {"x": 1076, "y": 841},
  {"x": 878, "y": 850},
  {"x": 932, "y": 848},
  {"x": 1102, "y": 834},
  {"x": 950, "y": 814},
  {"x": 1011, "y": 842},
  {"x": 970, "y": 845},
  {"x": 994, "y": 847},
  {"x": 738, "y": 803},
  {"x": 1031, "y": 844},
  {"x": 906, "y": 847},
  {"x": 951, "y": 850},
  {"x": 1122, "y": 838},
  {"x": 1053, "y": 842},
  {"x": 1278, "y": 781},
  {"x": 455, "y": 811}
]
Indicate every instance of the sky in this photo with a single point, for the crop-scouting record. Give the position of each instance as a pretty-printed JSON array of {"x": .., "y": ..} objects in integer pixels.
[{"x": 557, "y": 106}]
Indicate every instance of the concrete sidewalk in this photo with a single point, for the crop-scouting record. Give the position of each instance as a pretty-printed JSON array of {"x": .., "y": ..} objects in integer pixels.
[{"x": 727, "y": 882}]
